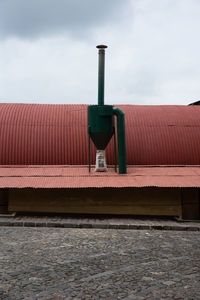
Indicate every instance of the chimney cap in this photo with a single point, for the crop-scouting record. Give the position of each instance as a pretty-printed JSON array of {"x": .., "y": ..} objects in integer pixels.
[{"x": 101, "y": 47}]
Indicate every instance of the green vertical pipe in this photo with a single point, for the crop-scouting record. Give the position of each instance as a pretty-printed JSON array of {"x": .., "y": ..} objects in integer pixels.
[
  {"x": 89, "y": 152},
  {"x": 115, "y": 151},
  {"x": 101, "y": 79},
  {"x": 101, "y": 72},
  {"x": 121, "y": 139}
]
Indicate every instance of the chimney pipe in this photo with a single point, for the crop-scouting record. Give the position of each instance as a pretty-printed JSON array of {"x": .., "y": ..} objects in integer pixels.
[{"x": 101, "y": 73}]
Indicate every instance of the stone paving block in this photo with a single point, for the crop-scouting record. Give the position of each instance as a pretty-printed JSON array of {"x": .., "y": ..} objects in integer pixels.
[
  {"x": 100, "y": 226},
  {"x": 40, "y": 224},
  {"x": 29, "y": 224}
]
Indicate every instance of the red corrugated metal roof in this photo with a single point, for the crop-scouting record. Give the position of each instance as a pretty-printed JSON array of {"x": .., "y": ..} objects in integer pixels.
[
  {"x": 57, "y": 134},
  {"x": 79, "y": 177}
]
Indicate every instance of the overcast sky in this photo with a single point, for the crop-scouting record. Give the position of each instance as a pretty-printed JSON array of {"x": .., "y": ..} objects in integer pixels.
[{"x": 48, "y": 54}]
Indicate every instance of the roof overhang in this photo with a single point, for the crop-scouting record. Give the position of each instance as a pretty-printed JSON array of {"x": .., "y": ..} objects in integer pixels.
[{"x": 62, "y": 176}]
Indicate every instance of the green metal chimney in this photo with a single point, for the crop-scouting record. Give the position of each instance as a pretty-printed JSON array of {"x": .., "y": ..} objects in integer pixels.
[
  {"x": 101, "y": 119},
  {"x": 101, "y": 72}
]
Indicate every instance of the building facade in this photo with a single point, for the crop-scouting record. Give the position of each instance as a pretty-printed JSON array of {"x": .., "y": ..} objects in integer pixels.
[{"x": 44, "y": 162}]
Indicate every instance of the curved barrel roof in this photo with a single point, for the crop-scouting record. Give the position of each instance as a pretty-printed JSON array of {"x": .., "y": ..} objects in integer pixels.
[{"x": 41, "y": 134}]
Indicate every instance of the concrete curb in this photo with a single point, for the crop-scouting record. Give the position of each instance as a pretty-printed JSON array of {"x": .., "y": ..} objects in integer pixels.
[{"x": 13, "y": 223}]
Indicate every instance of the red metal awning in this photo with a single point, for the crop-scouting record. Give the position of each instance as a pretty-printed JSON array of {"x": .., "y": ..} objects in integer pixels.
[{"x": 79, "y": 177}]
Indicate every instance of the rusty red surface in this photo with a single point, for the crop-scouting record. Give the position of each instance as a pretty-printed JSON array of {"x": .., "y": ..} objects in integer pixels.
[
  {"x": 39, "y": 134},
  {"x": 79, "y": 177}
]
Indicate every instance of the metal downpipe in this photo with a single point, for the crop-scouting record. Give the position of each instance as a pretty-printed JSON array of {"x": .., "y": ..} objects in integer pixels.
[{"x": 121, "y": 139}]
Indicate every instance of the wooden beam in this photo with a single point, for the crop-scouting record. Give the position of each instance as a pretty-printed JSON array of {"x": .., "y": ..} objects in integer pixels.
[{"x": 136, "y": 201}]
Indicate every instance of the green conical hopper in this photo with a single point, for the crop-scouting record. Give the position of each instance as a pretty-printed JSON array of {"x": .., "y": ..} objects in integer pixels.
[{"x": 100, "y": 125}]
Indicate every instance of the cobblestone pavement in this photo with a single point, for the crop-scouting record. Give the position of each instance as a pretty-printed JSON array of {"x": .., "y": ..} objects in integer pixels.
[{"x": 66, "y": 263}]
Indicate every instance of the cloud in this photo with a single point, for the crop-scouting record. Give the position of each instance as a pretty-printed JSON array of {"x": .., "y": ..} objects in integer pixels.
[
  {"x": 36, "y": 18},
  {"x": 152, "y": 56}
]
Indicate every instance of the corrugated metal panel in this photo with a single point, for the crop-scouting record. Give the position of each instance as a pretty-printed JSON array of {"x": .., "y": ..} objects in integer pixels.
[
  {"x": 57, "y": 134},
  {"x": 79, "y": 177}
]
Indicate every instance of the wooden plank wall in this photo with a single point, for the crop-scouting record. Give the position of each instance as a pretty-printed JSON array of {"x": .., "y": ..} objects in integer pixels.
[
  {"x": 190, "y": 203},
  {"x": 3, "y": 201},
  {"x": 136, "y": 201}
]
